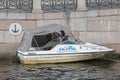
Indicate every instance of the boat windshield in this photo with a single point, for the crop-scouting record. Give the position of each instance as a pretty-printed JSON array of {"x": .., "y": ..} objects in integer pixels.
[
  {"x": 69, "y": 42},
  {"x": 48, "y": 41}
]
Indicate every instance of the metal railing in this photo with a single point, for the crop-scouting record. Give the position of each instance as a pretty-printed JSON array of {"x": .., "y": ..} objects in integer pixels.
[
  {"x": 58, "y": 5},
  {"x": 102, "y": 4},
  {"x": 16, "y": 5}
]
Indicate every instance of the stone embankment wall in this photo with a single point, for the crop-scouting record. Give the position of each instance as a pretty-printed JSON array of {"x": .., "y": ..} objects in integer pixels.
[{"x": 98, "y": 26}]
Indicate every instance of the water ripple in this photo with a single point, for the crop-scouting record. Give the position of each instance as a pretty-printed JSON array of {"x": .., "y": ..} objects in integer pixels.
[{"x": 86, "y": 70}]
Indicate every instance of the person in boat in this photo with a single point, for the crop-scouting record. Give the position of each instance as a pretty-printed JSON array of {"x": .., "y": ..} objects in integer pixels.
[{"x": 63, "y": 36}]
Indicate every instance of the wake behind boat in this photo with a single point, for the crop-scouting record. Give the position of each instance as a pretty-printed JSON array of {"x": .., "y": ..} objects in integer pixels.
[{"x": 56, "y": 44}]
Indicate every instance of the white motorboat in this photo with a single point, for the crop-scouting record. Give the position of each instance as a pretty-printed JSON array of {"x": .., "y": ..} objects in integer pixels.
[{"x": 55, "y": 44}]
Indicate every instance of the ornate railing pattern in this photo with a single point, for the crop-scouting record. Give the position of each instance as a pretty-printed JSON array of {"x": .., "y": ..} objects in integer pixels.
[
  {"x": 58, "y": 5},
  {"x": 16, "y": 5},
  {"x": 102, "y": 4}
]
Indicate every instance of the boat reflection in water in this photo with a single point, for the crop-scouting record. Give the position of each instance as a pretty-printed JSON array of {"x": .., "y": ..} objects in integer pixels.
[{"x": 56, "y": 44}]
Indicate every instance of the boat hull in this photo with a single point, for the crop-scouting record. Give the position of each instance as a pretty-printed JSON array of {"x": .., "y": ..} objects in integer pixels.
[{"x": 59, "y": 58}]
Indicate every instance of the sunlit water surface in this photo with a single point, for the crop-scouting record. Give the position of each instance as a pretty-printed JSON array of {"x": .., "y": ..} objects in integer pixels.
[{"x": 85, "y": 70}]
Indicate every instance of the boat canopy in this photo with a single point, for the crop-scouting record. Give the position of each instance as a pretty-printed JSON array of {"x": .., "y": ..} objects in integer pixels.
[{"x": 44, "y": 37}]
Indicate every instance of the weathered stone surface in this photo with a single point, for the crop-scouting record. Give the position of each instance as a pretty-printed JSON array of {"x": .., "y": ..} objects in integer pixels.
[
  {"x": 3, "y": 15},
  {"x": 100, "y": 37},
  {"x": 40, "y": 23},
  {"x": 1, "y": 36},
  {"x": 52, "y": 15},
  {"x": 112, "y": 26},
  {"x": 37, "y": 6},
  {"x": 81, "y": 14},
  {"x": 47, "y": 22},
  {"x": 35, "y": 16},
  {"x": 113, "y": 18},
  {"x": 108, "y": 12},
  {"x": 95, "y": 18},
  {"x": 92, "y": 13},
  {"x": 5, "y": 24},
  {"x": 9, "y": 38},
  {"x": 102, "y": 25},
  {"x": 16, "y": 16},
  {"x": 118, "y": 25},
  {"x": 106, "y": 23},
  {"x": 8, "y": 51},
  {"x": 118, "y": 18},
  {"x": 81, "y": 5},
  {"x": 103, "y": 18},
  {"x": 69, "y": 15},
  {"x": 26, "y": 24},
  {"x": 64, "y": 22},
  {"x": 95, "y": 26},
  {"x": 78, "y": 24},
  {"x": 19, "y": 37},
  {"x": 118, "y": 11}
]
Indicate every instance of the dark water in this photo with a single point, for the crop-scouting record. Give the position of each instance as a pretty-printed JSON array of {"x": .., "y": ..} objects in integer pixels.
[{"x": 86, "y": 70}]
